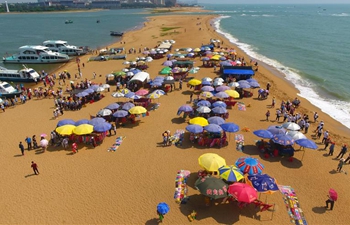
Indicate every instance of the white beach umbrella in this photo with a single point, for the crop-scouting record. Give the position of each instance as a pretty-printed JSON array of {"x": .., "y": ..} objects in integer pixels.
[
  {"x": 219, "y": 79},
  {"x": 104, "y": 112},
  {"x": 172, "y": 41},
  {"x": 233, "y": 84},
  {"x": 137, "y": 59},
  {"x": 176, "y": 50},
  {"x": 207, "y": 79},
  {"x": 105, "y": 86},
  {"x": 165, "y": 50},
  {"x": 110, "y": 75},
  {"x": 204, "y": 109},
  {"x": 169, "y": 78},
  {"x": 126, "y": 63},
  {"x": 291, "y": 126},
  {"x": 296, "y": 135},
  {"x": 217, "y": 83},
  {"x": 125, "y": 70},
  {"x": 130, "y": 74},
  {"x": 117, "y": 95},
  {"x": 100, "y": 89}
]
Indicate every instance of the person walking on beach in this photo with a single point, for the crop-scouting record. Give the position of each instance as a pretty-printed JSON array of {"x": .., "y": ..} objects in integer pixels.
[
  {"x": 74, "y": 148},
  {"x": 331, "y": 148},
  {"x": 347, "y": 159},
  {"x": 307, "y": 125},
  {"x": 35, "y": 168},
  {"x": 343, "y": 150},
  {"x": 315, "y": 117},
  {"x": 325, "y": 136},
  {"x": 267, "y": 114},
  {"x": 191, "y": 96},
  {"x": 29, "y": 142},
  {"x": 278, "y": 115},
  {"x": 340, "y": 165},
  {"x": 331, "y": 201},
  {"x": 21, "y": 147},
  {"x": 327, "y": 142},
  {"x": 180, "y": 84}
]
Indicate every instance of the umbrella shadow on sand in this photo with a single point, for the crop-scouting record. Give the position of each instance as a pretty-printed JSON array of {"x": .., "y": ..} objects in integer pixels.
[
  {"x": 295, "y": 164},
  {"x": 178, "y": 120},
  {"x": 152, "y": 221},
  {"x": 319, "y": 209},
  {"x": 227, "y": 213}
]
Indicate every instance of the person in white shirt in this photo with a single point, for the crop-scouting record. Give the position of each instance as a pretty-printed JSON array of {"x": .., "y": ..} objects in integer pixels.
[{"x": 325, "y": 136}]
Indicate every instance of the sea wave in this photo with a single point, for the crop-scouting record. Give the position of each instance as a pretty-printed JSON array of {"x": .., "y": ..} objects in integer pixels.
[
  {"x": 337, "y": 109},
  {"x": 340, "y": 14}
]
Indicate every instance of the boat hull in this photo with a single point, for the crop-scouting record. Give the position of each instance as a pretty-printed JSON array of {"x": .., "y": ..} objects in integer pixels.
[
  {"x": 22, "y": 80},
  {"x": 13, "y": 61},
  {"x": 10, "y": 95}
]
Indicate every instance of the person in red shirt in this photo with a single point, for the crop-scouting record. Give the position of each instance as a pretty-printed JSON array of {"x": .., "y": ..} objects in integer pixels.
[
  {"x": 35, "y": 168},
  {"x": 74, "y": 147}
]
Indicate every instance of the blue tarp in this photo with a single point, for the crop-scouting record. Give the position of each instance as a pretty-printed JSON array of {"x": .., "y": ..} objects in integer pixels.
[{"x": 238, "y": 72}]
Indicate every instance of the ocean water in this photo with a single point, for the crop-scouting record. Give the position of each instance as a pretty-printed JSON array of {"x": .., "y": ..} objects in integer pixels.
[{"x": 309, "y": 44}]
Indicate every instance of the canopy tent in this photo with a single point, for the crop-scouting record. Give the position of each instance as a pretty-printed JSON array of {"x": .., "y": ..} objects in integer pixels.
[
  {"x": 141, "y": 76},
  {"x": 165, "y": 46},
  {"x": 239, "y": 72},
  {"x": 186, "y": 63}
]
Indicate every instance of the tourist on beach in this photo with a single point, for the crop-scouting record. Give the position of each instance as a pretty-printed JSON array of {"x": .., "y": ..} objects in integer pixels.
[
  {"x": 161, "y": 216},
  {"x": 307, "y": 125},
  {"x": 331, "y": 201},
  {"x": 331, "y": 148},
  {"x": 325, "y": 136},
  {"x": 327, "y": 142},
  {"x": 165, "y": 138},
  {"x": 340, "y": 165},
  {"x": 191, "y": 97},
  {"x": 35, "y": 168},
  {"x": 21, "y": 147},
  {"x": 35, "y": 143},
  {"x": 74, "y": 148},
  {"x": 268, "y": 85},
  {"x": 347, "y": 159},
  {"x": 273, "y": 102},
  {"x": 93, "y": 142},
  {"x": 180, "y": 84},
  {"x": 267, "y": 114},
  {"x": 315, "y": 117},
  {"x": 278, "y": 115},
  {"x": 29, "y": 142},
  {"x": 343, "y": 150}
]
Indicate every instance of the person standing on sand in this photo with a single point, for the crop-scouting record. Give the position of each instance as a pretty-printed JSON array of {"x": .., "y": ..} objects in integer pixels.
[
  {"x": 191, "y": 96},
  {"x": 267, "y": 115},
  {"x": 331, "y": 148},
  {"x": 307, "y": 125},
  {"x": 343, "y": 150},
  {"x": 340, "y": 165},
  {"x": 29, "y": 142},
  {"x": 315, "y": 117},
  {"x": 21, "y": 147},
  {"x": 180, "y": 84},
  {"x": 331, "y": 201},
  {"x": 35, "y": 168},
  {"x": 325, "y": 136}
]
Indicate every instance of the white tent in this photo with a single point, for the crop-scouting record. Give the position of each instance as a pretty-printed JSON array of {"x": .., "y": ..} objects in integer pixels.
[
  {"x": 141, "y": 76},
  {"x": 164, "y": 46}
]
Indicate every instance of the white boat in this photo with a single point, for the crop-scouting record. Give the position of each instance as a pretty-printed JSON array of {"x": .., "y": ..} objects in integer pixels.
[
  {"x": 36, "y": 54},
  {"x": 63, "y": 47},
  {"x": 22, "y": 75},
  {"x": 7, "y": 91}
]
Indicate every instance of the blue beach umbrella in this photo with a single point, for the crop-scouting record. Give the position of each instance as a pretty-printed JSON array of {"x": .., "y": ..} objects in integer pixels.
[
  {"x": 159, "y": 92},
  {"x": 274, "y": 129},
  {"x": 207, "y": 88},
  {"x": 94, "y": 87},
  {"x": 204, "y": 103},
  {"x": 185, "y": 108},
  {"x": 120, "y": 113},
  {"x": 306, "y": 143},
  {"x": 263, "y": 183},
  {"x": 96, "y": 121},
  {"x": 127, "y": 106},
  {"x": 251, "y": 80},
  {"x": 113, "y": 106},
  {"x": 249, "y": 165},
  {"x": 89, "y": 90},
  {"x": 244, "y": 85},
  {"x": 65, "y": 122},
  {"x": 254, "y": 84},
  {"x": 283, "y": 139},
  {"x": 129, "y": 95},
  {"x": 216, "y": 120},
  {"x": 82, "y": 94},
  {"x": 219, "y": 104},
  {"x": 163, "y": 208},
  {"x": 80, "y": 122},
  {"x": 221, "y": 94},
  {"x": 194, "y": 128},
  {"x": 213, "y": 128},
  {"x": 102, "y": 127},
  {"x": 219, "y": 110},
  {"x": 230, "y": 127},
  {"x": 205, "y": 82},
  {"x": 263, "y": 134}
]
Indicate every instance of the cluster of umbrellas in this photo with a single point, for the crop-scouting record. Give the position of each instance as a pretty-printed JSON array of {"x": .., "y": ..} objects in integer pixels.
[
  {"x": 287, "y": 134},
  {"x": 92, "y": 89},
  {"x": 82, "y": 127},
  {"x": 142, "y": 93},
  {"x": 216, "y": 188},
  {"x": 214, "y": 124},
  {"x": 125, "y": 72}
]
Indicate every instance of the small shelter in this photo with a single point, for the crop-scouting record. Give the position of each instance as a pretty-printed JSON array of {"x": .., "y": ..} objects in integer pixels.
[{"x": 238, "y": 72}]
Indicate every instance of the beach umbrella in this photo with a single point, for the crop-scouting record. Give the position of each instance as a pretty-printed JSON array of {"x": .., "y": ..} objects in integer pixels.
[
  {"x": 127, "y": 70},
  {"x": 194, "y": 82},
  {"x": 219, "y": 110},
  {"x": 135, "y": 97},
  {"x": 232, "y": 93},
  {"x": 82, "y": 94},
  {"x": 185, "y": 108},
  {"x": 207, "y": 88},
  {"x": 43, "y": 135},
  {"x": 100, "y": 89},
  {"x": 206, "y": 94},
  {"x": 159, "y": 92},
  {"x": 168, "y": 78},
  {"x": 251, "y": 80},
  {"x": 211, "y": 187},
  {"x": 230, "y": 127},
  {"x": 120, "y": 113},
  {"x": 263, "y": 183},
  {"x": 94, "y": 87},
  {"x": 219, "y": 79},
  {"x": 137, "y": 110},
  {"x": 126, "y": 63},
  {"x": 104, "y": 112},
  {"x": 233, "y": 84},
  {"x": 203, "y": 109},
  {"x": 221, "y": 95},
  {"x": 296, "y": 135},
  {"x": 130, "y": 74},
  {"x": 124, "y": 91},
  {"x": 249, "y": 165},
  {"x": 204, "y": 103},
  {"x": 197, "y": 50},
  {"x": 83, "y": 129},
  {"x": 168, "y": 63},
  {"x": 89, "y": 91},
  {"x": 65, "y": 129},
  {"x": 216, "y": 120},
  {"x": 275, "y": 129},
  {"x": 306, "y": 143},
  {"x": 242, "y": 192},
  {"x": 207, "y": 79},
  {"x": 117, "y": 95},
  {"x": 163, "y": 208},
  {"x": 230, "y": 173},
  {"x": 193, "y": 128},
  {"x": 156, "y": 84},
  {"x": 244, "y": 85},
  {"x": 129, "y": 94},
  {"x": 82, "y": 121},
  {"x": 65, "y": 122},
  {"x": 113, "y": 106},
  {"x": 199, "y": 121},
  {"x": 222, "y": 88},
  {"x": 153, "y": 96},
  {"x": 142, "y": 92},
  {"x": 263, "y": 134},
  {"x": 207, "y": 83},
  {"x": 106, "y": 86},
  {"x": 211, "y": 162},
  {"x": 44, "y": 143},
  {"x": 102, "y": 127},
  {"x": 219, "y": 104},
  {"x": 96, "y": 120},
  {"x": 205, "y": 59},
  {"x": 333, "y": 194},
  {"x": 213, "y": 128},
  {"x": 283, "y": 139},
  {"x": 254, "y": 84},
  {"x": 217, "y": 83},
  {"x": 291, "y": 126}
]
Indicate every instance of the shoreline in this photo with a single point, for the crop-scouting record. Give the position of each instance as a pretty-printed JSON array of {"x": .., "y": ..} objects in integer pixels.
[{"x": 54, "y": 12}]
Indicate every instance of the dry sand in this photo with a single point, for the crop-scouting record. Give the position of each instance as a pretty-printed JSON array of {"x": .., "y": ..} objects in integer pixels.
[{"x": 100, "y": 187}]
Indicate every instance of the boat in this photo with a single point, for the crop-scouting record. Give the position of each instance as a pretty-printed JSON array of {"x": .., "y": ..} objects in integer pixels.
[
  {"x": 7, "y": 91},
  {"x": 116, "y": 33},
  {"x": 68, "y": 21},
  {"x": 97, "y": 21},
  {"x": 27, "y": 75},
  {"x": 36, "y": 54},
  {"x": 63, "y": 47}
]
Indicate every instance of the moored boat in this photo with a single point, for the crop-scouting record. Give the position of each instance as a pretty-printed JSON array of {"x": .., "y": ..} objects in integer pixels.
[
  {"x": 116, "y": 33},
  {"x": 23, "y": 75},
  {"x": 63, "y": 47},
  {"x": 36, "y": 54},
  {"x": 68, "y": 21},
  {"x": 7, "y": 91}
]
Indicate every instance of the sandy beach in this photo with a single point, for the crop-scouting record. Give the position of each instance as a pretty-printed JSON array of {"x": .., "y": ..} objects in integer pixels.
[{"x": 124, "y": 187}]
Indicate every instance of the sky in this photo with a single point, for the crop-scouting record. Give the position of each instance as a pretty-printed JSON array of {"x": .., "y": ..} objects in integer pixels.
[{"x": 275, "y": 1}]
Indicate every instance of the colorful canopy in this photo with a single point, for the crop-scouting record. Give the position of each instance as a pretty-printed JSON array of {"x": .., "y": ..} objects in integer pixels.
[
  {"x": 216, "y": 120},
  {"x": 263, "y": 183},
  {"x": 83, "y": 129},
  {"x": 263, "y": 134},
  {"x": 232, "y": 93},
  {"x": 230, "y": 127},
  {"x": 306, "y": 143},
  {"x": 185, "y": 108},
  {"x": 137, "y": 110},
  {"x": 283, "y": 139},
  {"x": 194, "y": 82},
  {"x": 65, "y": 129},
  {"x": 96, "y": 120},
  {"x": 212, "y": 187},
  {"x": 65, "y": 122},
  {"x": 163, "y": 208},
  {"x": 199, "y": 121},
  {"x": 213, "y": 128},
  {"x": 193, "y": 128},
  {"x": 242, "y": 192},
  {"x": 120, "y": 113},
  {"x": 230, "y": 173},
  {"x": 82, "y": 121},
  {"x": 102, "y": 127},
  {"x": 211, "y": 161},
  {"x": 249, "y": 165}
]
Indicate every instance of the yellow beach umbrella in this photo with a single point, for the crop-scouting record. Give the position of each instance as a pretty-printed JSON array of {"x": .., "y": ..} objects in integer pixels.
[
  {"x": 216, "y": 57},
  {"x": 206, "y": 94},
  {"x": 230, "y": 173},
  {"x": 197, "y": 50},
  {"x": 194, "y": 82},
  {"x": 232, "y": 93},
  {"x": 201, "y": 121},
  {"x": 83, "y": 129},
  {"x": 153, "y": 95},
  {"x": 211, "y": 162},
  {"x": 137, "y": 110},
  {"x": 65, "y": 129}
]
